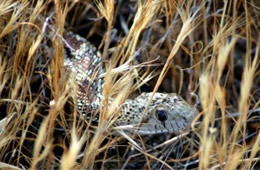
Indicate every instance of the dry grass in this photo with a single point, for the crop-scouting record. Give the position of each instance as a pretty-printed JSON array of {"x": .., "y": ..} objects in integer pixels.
[{"x": 206, "y": 48}]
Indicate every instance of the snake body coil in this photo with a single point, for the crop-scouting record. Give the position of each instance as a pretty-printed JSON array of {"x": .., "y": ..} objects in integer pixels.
[{"x": 167, "y": 113}]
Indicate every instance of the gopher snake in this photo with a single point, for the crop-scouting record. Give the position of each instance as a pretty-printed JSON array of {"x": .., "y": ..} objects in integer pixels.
[{"x": 167, "y": 113}]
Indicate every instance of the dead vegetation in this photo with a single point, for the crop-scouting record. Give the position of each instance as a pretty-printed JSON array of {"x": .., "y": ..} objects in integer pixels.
[{"x": 202, "y": 50}]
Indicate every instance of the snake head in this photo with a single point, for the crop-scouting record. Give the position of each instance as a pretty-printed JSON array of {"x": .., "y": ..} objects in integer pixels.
[{"x": 167, "y": 113}]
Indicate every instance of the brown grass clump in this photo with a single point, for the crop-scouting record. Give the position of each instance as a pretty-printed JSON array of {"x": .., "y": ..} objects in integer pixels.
[{"x": 208, "y": 51}]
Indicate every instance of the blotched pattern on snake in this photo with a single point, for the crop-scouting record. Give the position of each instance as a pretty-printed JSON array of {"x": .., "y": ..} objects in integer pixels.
[{"x": 167, "y": 113}]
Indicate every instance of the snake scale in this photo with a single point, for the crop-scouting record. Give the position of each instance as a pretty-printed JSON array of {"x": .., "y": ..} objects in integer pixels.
[{"x": 167, "y": 113}]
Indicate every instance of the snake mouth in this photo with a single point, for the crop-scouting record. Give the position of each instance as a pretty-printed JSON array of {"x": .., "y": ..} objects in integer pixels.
[
  {"x": 145, "y": 129},
  {"x": 174, "y": 127}
]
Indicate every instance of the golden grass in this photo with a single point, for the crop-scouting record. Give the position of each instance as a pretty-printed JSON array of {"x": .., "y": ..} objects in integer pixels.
[{"x": 207, "y": 48}]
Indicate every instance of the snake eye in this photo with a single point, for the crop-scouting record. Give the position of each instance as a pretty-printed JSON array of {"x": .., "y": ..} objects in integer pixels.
[{"x": 161, "y": 114}]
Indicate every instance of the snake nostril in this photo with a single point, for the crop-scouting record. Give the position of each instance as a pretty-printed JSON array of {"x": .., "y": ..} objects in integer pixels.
[{"x": 175, "y": 99}]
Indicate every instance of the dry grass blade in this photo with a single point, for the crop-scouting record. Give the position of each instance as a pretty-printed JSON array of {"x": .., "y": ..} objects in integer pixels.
[
  {"x": 8, "y": 166},
  {"x": 40, "y": 141},
  {"x": 69, "y": 157},
  {"x": 12, "y": 24},
  {"x": 107, "y": 10},
  {"x": 6, "y": 6}
]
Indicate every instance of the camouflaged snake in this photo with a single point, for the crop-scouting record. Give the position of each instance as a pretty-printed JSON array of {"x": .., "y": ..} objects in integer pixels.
[{"x": 167, "y": 113}]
